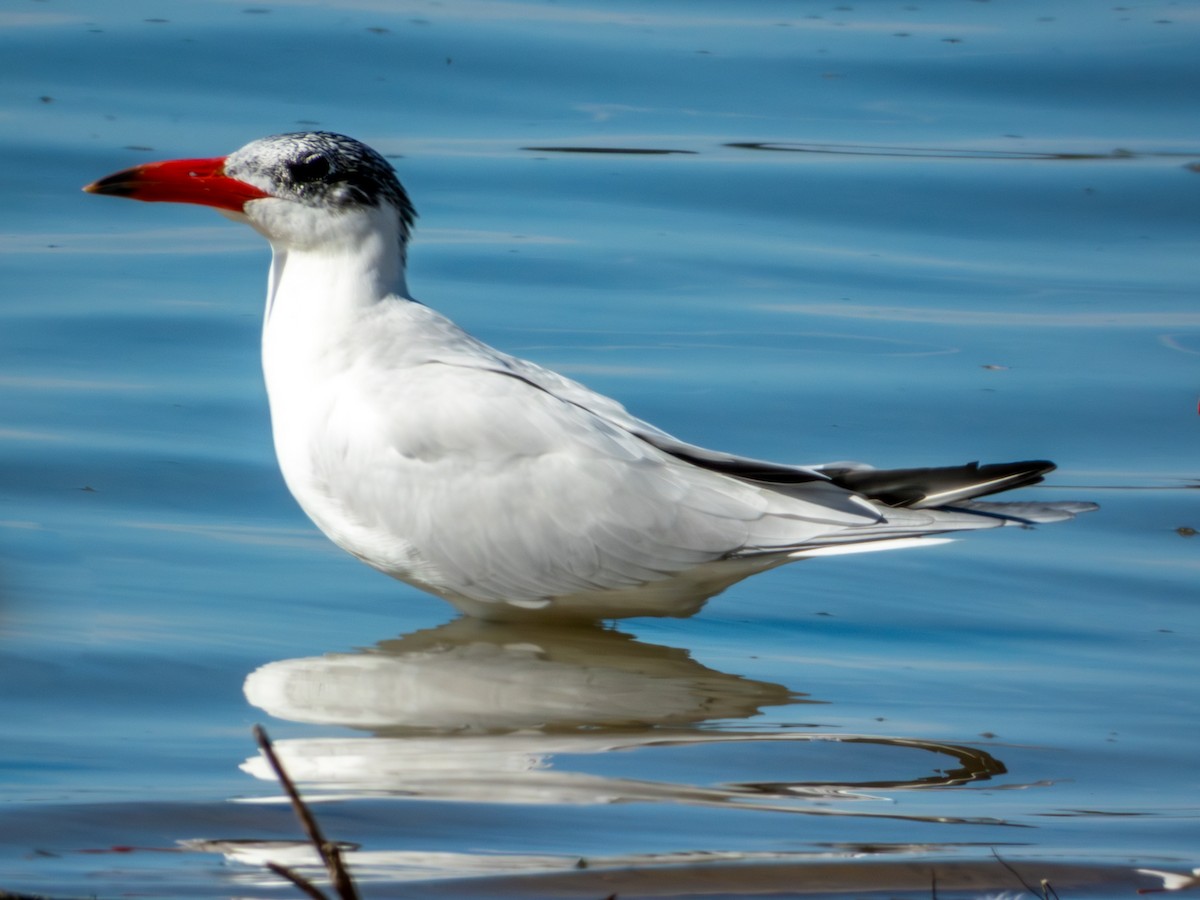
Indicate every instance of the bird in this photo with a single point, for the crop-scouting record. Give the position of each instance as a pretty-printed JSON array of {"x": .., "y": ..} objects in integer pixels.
[{"x": 507, "y": 489}]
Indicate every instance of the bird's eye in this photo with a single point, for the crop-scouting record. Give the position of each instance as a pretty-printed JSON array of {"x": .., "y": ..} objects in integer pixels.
[{"x": 310, "y": 169}]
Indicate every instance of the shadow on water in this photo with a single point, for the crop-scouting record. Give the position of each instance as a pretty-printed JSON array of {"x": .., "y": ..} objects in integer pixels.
[
  {"x": 881, "y": 150},
  {"x": 948, "y": 152},
  {"x": 631, "y": 151}
]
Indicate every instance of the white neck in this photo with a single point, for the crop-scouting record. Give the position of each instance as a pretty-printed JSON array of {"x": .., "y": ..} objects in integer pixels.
[
  {"x": 356, "y": 259},
  {"x": 325, "y": 275}
]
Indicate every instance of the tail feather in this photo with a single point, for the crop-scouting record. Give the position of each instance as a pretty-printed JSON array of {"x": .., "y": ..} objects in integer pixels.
[{"x": 918, "y": 503}]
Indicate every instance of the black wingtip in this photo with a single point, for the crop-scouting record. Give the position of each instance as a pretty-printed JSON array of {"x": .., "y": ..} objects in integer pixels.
[{"x": 924, "y": 487}]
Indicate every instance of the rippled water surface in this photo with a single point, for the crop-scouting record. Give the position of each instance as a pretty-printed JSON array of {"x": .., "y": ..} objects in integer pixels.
[{"x": 905, "y": 233}]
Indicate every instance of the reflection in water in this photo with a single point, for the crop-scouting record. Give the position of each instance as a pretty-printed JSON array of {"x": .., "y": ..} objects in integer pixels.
[
  {"x": 473, "y": 676},
  {"x": 496, "y": 713},
  {"x": 894, "y": 869},
  {"x": 486, "y": 712}
]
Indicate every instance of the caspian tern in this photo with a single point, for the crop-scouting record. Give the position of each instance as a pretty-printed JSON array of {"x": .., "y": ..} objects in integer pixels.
[{"x": 504, "y": 488}]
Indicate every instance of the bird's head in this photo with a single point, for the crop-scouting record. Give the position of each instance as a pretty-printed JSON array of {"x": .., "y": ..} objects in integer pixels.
[{"x": 300, "y": 190}]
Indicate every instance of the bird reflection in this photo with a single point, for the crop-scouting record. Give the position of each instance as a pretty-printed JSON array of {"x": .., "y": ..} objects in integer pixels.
[
  {"x": 479, "y": 677},
  {"x": 490, "y": 712}
]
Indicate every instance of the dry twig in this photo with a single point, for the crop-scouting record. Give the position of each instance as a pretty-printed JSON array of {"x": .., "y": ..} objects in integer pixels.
[{"x": 339, "y": 876}]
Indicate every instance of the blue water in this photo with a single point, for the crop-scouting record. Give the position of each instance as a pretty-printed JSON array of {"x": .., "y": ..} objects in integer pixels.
[{"x": 909, "y": 234}]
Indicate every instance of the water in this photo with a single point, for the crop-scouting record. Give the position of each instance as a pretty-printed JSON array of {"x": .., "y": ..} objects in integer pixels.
[{"x": 903, "y": 233}]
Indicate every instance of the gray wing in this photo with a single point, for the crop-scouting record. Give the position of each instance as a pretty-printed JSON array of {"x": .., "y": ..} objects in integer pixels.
[{"x": 506, "y": 490}]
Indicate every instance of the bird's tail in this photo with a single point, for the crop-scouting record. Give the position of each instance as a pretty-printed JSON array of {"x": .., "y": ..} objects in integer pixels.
[
  {"x": 927, "y": 488},
  {"x": 917, "y": 504}
]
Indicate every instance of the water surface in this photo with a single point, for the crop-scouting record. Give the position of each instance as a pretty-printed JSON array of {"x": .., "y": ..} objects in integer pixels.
[{"x": 909, "y": 234}]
